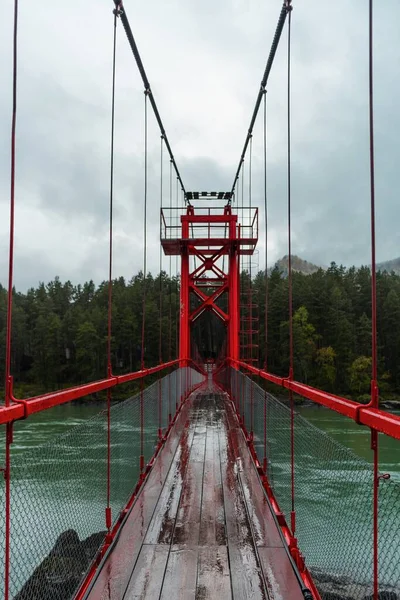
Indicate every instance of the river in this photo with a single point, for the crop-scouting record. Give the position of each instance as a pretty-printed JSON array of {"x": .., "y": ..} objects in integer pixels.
[{"x": 356, "y": 437}]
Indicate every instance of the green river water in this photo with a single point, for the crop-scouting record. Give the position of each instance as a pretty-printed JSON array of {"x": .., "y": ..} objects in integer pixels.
[{"x": 356, "y": 438}]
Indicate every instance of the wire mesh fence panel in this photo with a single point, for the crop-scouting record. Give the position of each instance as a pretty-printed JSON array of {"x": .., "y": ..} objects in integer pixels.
[
  {"x": 59, "y": 490},
  {"x": 333, "y": 501},
  {"x": 125, "y": 452},
  {"x": 58, "y": 497},
  {"x": 389, "y": 534},
  {"x": 195, "y": 378},
  {"x": 125, "y": 432},
  {"x": 333, "y": 497},
  {"x": 167, "y": 395},
  {"x": 150, "y": 406},
  {"x": 2, "y": 508},
  {"x": 260, "y": 422},
  {"x": 175, "y": 390}
]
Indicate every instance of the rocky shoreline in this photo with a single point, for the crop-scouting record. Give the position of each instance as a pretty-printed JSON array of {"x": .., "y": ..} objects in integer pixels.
[
  {"x": 331, "y": 587},
  {"x": 59, "y": 574}
]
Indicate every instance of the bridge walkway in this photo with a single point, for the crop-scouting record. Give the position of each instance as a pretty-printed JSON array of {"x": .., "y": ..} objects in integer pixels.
[{"x": 201, "y": 527}]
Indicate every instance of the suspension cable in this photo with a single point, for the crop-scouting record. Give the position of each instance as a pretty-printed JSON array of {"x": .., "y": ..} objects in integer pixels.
[
  {"x": 290, "y": 278},
  {"x": 110, "y": 257},
  {"x": 160, "y": 357},
  {"x": 374, "y": 352},
  {"x": 161, "y": 253},
  {"x": 372, "y": 185},
  {"x": 289, "y": 208},
  {"x": 177, "y": 302},
  {"x": 146, "y": 83},
  {"x": 286, "y": 8},
  {"x": 266, "y": 233},
  {"x": 241, "y": 291},
  {"x": 170, "y": 297},
  {"x": 110, "y": 237},
  {"x": 144, "y": 289},
  {"x": 8, "y": 378},
  {"x": 183, "y": 372},
  {"x": 266, "y": 279},
  {"x": 12, "y": 213},
  {"x": 250, "y": 354}
]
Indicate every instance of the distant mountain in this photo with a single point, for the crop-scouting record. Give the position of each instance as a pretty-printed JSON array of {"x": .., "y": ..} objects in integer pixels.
[
  {"x": 389, "y": 266},
  {"x": 303, "y": 266},
  {"x": 298, "y": 264},
  {"x": 307, "y": 268}
]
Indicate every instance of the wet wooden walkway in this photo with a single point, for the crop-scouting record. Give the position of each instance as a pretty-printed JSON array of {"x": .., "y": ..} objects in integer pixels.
[{"x": 201, "y": 527}]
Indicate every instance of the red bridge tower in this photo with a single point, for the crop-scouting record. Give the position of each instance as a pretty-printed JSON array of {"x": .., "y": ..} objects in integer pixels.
[{"x": 210, "y": 240}]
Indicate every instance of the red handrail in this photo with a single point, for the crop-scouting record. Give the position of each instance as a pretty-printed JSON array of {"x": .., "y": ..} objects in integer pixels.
[
  {"x": 20, "y": 409},
  {"x": 374, "y": 418}
]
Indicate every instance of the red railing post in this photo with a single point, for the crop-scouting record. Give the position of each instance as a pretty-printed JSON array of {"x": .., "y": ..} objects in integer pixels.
[
  {"x": 108, "y": 507},
  {"x": 290, "y": 278},
  {"x": 108, "y": 516},
  {"x": 251, "y": 433},
  {"x": 265, "y": 461},
  {"x": 160, "y": 434},
  {"x": 169, "y": 397},
  {"x": 374, "y": 351},
  {"x": 7, "y": 478},
  {"x": 375, "y": 508},
  {"x": 8, "y": 377},
  {"x": 141, "y": 458}
]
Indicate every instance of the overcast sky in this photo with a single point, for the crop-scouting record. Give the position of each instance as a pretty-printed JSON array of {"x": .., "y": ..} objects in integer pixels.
[{"x": 205, "y": 61}]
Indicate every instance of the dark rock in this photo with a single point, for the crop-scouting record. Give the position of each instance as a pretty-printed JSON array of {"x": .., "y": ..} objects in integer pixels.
[
  {"x": 66, "y": 538},
  {"x": 91, "y": 544},
  {"x": 334, "y": 596},
  {"x": 60, "y": 573},
  {"x": 68, "y": 545},
  {"x": 383, "y": 595},
  {"x": 334, "y": 587},
  {"x": 324, "y": 577}
]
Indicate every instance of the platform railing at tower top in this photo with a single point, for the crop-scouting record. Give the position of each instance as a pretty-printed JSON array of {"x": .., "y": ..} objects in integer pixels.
[
  {"x": 171, "y": 227},
  {"x": 59, "y": 488},
  {"x": 333, "y": 495}
]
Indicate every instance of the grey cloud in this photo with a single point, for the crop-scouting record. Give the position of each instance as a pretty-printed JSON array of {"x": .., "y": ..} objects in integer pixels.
[{"x": 205, "y": 63}]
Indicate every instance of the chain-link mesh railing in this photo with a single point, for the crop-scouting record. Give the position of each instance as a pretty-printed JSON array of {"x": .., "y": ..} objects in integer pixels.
[
  {"x": 333, "y": 496},
  {"x": 59, "y": 490},
  {"x": 2, "y": 508}
]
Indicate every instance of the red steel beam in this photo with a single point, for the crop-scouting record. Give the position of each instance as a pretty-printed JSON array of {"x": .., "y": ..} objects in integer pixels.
[
  {"x": 225, "y": 218},
  {"x": 370, "y": 417},
  {"x": 20, "y": 409}
]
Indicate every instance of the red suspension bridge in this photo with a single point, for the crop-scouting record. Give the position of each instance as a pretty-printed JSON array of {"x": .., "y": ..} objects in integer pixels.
[{"x": 207, "y": 486}]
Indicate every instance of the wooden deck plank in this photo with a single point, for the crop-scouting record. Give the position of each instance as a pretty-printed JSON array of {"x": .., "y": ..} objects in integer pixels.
[
  {"x": 181, "y": 574},
  {"x": 147, "y": 577},
  {"x": 264, "y": 528},
  {"x": 279, "y": 575},
  {"x": 213, "y": 575},
  {"x": 161, "y": 527},
  {"x": 265, "y": 531},
  {"x": 187, "y": 525},
  {"x": 201, "y": 527},
  {"x": 198, "y": 446},
  {"x": 230, "y": 416},
  {"x": 246, "y": 574},
  {"x": 212, "y": 527}
]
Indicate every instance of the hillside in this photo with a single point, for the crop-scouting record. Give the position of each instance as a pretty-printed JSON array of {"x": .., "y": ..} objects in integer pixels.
[
  {"x": 389, "y": 266},
  {"x": 303, "y": 266},
  {"x": 298, "y": 264}
]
